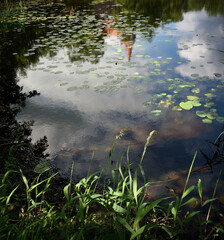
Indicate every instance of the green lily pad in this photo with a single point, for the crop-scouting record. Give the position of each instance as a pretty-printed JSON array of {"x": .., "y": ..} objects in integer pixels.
[
  {"x": 220, "y": 120},
  {"x": 196, "y": 90},
  {"x": 186, "y": 105},
  {"x": 137, "y": 91},
  {"x": 196, "y": 103},
  {"x": 85, "y": 86},
  {"x": 212, "y": 115},
  {"x": 177, "y": 108},
  {"x": 210, "y": 95},
  {"x": 195, "y": 75},
  {"x": 209, "y": 105},
  {"x": 72, "y": 88},
  {"x": 63, "y": 84},
  {"x": 192, "y": 98},
  {"x": 201, "y": 114},
  {"x": 207, "y": 120},
  {"x": 42, "y": 167},
  {"x": 139, "y": 55},
  {"x": 156, "y": 112}
]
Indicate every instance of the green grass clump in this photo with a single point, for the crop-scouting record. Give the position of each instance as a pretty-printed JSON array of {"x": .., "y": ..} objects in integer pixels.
[{"x": 117, "y": 208}]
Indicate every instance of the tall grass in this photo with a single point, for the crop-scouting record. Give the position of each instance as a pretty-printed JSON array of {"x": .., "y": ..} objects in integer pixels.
[{"x": 90, "y": 210}]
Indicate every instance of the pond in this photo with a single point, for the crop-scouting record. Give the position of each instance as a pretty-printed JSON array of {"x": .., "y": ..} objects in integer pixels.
[{"x": 104, "y": 66}]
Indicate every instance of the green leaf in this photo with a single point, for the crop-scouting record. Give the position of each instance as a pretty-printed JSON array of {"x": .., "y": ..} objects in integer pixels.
[
  {"x": 138, "y": 232},
  {"x": 135, "y": 183},
  {"x": 189, "y": 190},
  {"x": 24, "y": 180},
  {"x": 118, "y": 208},
  {"x": 207, "y": 120},
  {"x": 208, "y": 201},
  {"x": 212, "y": 115},
  {"x": 41, "y": 167},
  {"x": 66, "y": 188},
  {"x": 196, "y": 103},
  {"x": 8, "y": 198},
  {"x": 189, "y": 217},
  {"x": 201, "y": 114},
  {"x": 199, "y": 188},
  {"x": 142, "y": 211},
  {"x": 125, "y": 224},
  {"x": 186, "y": 105},
  {"x": 156, "y": 112},
  {"x": 192, "y": 98},
  {"x": 220, "y": 120},
  {"x": 192, "y": 200}
]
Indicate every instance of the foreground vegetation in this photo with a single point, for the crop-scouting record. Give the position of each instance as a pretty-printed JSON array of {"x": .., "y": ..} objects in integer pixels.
[{"x": 102, "y": 205}]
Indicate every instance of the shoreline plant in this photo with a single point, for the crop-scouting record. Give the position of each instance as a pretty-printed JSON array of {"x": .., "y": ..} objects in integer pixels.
[{"x": 90, "y": 209}]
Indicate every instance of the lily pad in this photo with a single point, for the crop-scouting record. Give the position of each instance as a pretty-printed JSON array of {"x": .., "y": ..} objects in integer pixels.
[
  {"x": 196, "y": 103},
  {"x": 196, "y": 90},
  {"x": 195, "y": 75},
  {"x": 177, "y": 108},
  {"x": 72, "y": 88},
  {"x": 218, "y": 75},
  {"x": 63, "y": 84},
  {"x": 186, "y": 105},
  {"x": 207, "y": 120},
  {"x": 201, "y": 114},
  {"x": 85, "y": 86},
  {"x": 42, "y": 167},
  {"x": 212, "y": 115},
  {"x": 156, "y": 112},
  {"x": 192, "y": 98},
  {"x": 209, "y": 104},
  {"x": 220, "y": 120}
]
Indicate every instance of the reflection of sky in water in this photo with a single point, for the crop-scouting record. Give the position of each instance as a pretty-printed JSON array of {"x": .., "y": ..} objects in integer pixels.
[{"x": 83, "y": 106}]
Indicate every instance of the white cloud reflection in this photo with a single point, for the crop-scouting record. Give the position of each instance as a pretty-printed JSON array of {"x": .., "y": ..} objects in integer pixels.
[{"x": 201, "y": 40}]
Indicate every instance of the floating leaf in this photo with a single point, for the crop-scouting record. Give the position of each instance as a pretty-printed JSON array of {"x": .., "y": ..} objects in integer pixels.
[
  {"x": 195, "y": 75},
  {"x": 208, "y": 105},
  {"x": 212, "y": 115},
  {"x": 156, "y": 112},
  {"x": 139, "y": 55},
  {"x": 41, "y": 167},
  {"x": 186, "y": 105},
  {"x": 72, "y": 88},
  {"x": 58, "y": 72},
  {"x": 177, "y": 108},
  {"x": 220, "y": 120},
  {"x": 196, "y": 90},
  {"x": 218, "y": 75},
  {"x": 85, "y": 86},
  {"x": 201, "y": 114},
  {"x": 192, "y": 98},
  {"x": 210, "y": 95},
  {"x": 196, "y": 103},
  {"x": 207, "y": 120},
  {"x": 63, "y": 84},
  {"x": 137, "y": 91}
]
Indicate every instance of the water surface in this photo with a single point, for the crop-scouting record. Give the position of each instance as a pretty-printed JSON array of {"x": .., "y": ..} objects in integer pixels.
[{"x": 103, "y": 66}]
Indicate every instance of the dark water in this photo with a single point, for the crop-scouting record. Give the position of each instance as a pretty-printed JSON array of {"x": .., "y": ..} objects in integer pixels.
[{"x": 103, "y": 66}]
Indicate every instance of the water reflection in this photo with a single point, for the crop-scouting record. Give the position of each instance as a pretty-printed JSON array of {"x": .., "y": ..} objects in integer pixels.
[
  {"x": 201, "y": 44},
  {"x": 125, "y": 64}
]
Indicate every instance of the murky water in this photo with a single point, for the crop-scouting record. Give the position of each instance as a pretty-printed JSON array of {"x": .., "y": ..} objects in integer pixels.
[{"x": 103, "y": 66}]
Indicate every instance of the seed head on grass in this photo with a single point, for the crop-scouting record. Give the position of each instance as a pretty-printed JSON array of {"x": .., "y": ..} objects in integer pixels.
[{"x": 147, "y": 144}]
